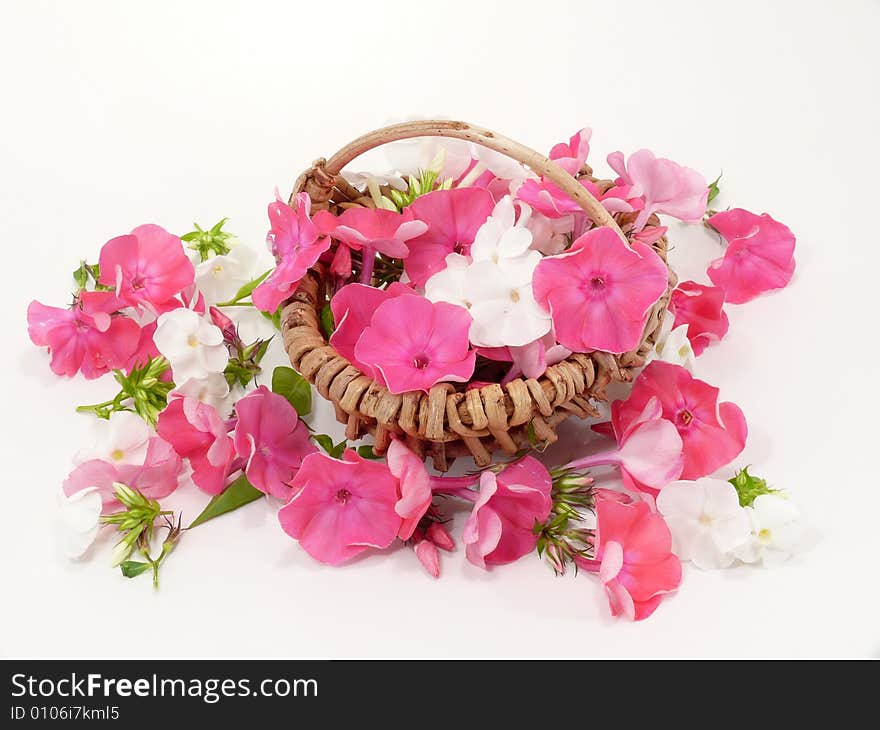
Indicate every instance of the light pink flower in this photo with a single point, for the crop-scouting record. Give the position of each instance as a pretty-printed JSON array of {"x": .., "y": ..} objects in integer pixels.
[
  {"x": 453, "y": 218},
  {"x": 571, "y": 156},
  {"x": 759, "y": 255},
  {"x": 701, "y": 309},
  {"x": 270, "y": 436},
  {"x": 649, "y": 450},
  {"x": 550, "y": 200},
  {"x": 530, "y": 360},
  {"x": 92, "y": 344},
  {"x": 600, "y": 291},
  {"x": 500, "y": 528},
  {"x": 156, "y": 478},
  {"x": 295, "y": 242},
  {"x": 666, "y": 186},
  {"x": 196, "y": 432},
  {"x": 146, "y": 268},
  {"x": 632, "y": 557},
  {"x": 712, "y": 433},
  {"x": 377, "y": 229},
  {"x": 353, "y": 307},
  {"x": 413, "y": 344},
  {"x": 340, "y": 509},
  {"x": 414, "y": 485}
]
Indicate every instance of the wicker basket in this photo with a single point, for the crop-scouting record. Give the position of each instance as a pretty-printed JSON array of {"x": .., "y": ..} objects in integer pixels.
[{"x": 449, "y": 420}]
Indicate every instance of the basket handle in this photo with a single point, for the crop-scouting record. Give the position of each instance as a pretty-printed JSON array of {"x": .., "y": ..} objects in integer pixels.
[{"x": 319, "y": 180}]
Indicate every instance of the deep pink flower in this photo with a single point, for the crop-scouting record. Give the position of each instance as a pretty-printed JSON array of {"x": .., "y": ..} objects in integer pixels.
[
  {"x": 145, "y": 350},
  {"x": 632, "y": 557},
  {"x": 412, "y": 344},
  {"x": 701, "y": 309},
  {"x": 196, "y": 432},
  {"x": 296, "y": 243},
  {"x": 270, "y": 436},
  {"x": 712, "y": 433},
  {"x": 666, "y": 186},
  {"x": 414, "y": 487},
  {"x": 80, "y": 342},
  {"x": 376, "y": 229},
  {"x": 156, "y": 478},
  {"x": 353, "y": 307},
  {"x": 600, "y": 291},
  {"x": 437, "y": 534},
  {"x": 571, "y": 156},
  {"x": 650, "y": 234},
  {"x": 649, "y": 450},
  {"x": 453, "y": 218},
  {"x": 341, "y": 508},
  {"x": 759, "y": 255},
  {"x": 146, "y": 268},
  {"x": 500, "y": 528},
  {"x": 550, "y": 200}
]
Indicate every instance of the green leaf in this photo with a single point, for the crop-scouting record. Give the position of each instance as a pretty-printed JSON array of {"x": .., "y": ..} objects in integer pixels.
[
  {"x": 237, "y": 494},
  {"x": 714, "y": 189},
  {"x": 326, "y": 443},
  {"x": 327, "y": 322},
  {"x": 81, "y": 276},
  {"x": 248, "y": 288},
  {"x": 293, "y": 386},
  {"x": 366, "y": 452},
  {"x": 749, "y": 487},
  {"x": 133, "y": 568}
]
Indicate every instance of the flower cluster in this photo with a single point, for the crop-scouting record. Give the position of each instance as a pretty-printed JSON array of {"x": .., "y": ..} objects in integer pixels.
[{"x": 445, "y": 268}]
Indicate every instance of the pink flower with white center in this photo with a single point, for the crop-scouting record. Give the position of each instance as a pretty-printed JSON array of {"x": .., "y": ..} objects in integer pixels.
[
  {"x": 296, "y": 243},
  {"x": 759, "y": 256},
  {"x": 413, "y": 344},
  {"x": 453, "y": 218},
  {"x": 196, "y": 432},
  {"x": 339, "y": 509},
  {"x": 632, "y": 557},
  {"x": 712, "y": 433},
  {"x": 147, "y": 268},
  {"x": 571, "y": 156},
  {"x": 700, "y": 308},
  {"x": 600, "y": 291},
  {"x": 91, "y": 343},
  {"x": 649, "y": 450},
  {"x": 500, "y": 528},
  {"x": 270, "y": 436},
  {"x": 156, "y": 478},
  {"x": 666, "y": 186},
  {"x": 353, "y": 307},
  {"x": 414, "y": 484}
]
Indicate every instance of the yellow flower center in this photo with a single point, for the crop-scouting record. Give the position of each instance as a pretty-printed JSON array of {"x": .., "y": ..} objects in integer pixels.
[
  {"x": 117, "y": 454},
  {"x": 192, "y": 341}
]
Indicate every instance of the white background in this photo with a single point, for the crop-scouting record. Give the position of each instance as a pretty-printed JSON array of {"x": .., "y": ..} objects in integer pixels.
[{"x": 115, "y": 114}]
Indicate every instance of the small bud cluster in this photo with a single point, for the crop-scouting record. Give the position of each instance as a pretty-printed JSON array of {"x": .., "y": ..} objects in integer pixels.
[{"x": 563, "y": 537}]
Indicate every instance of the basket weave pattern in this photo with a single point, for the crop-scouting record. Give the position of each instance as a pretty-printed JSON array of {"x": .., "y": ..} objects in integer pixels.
[{"x": 449, "y": 420}]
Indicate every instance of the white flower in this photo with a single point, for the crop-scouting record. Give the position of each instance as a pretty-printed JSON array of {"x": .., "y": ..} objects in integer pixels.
[
  {"x": 192, "y": 345},
  {"x": 78, "y": 521},
  {"x": 122, "y": 439},
  {"x": 672, "y": 345},
  {"x": 363, "y": 180},
  {"x": 776, "y": 530},
  {"x": 448, "y": 157},
  {"x": 496, "y": 286},
  {"x": 220, "y": 277},
  {"x": 212, "y": 390},
  {"x": 705, "y": 518}
]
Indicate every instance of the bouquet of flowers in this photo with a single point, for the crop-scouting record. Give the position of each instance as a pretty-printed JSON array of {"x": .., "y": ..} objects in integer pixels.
[{"x": 464, "y": 303}]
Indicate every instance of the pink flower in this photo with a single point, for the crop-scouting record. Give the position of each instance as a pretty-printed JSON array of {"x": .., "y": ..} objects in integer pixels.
[
  {"x": 146, "y": 268},
  {"x": 145, "y": 350},
  {"x": 600, "y": 291},
  {"x": 571, "y": 156},
  {"x": 759, "y": 257},
  {"x": 295, "y": 242},
  {"x": 156, "y": 478},
  {"x": 426, "y": 552},
  {"x": 453, "y": 218},
  {"x": 712, "y": 433},
  {"x": 437, "y": 534},
  {"x": 353, "y": 307},
  {"x": 632, "y": 557},
  {"x": 550, "y": 200},
  {"x": 92, "y": 343},
  {"x": 270, "y": 436},
  {"x": 196, "y": 432},
  {"x": 666, "y": 186},
  {"x": 379, "y": 230},
  {"x": 500, "y": 528},
  {"x": 413, "y": 344},
  {"x": 340, "y": 509},
  {"x": 700, "y": 308},
  {"x": 649, "y": 450},
  {"x": 414, "y": 486}
]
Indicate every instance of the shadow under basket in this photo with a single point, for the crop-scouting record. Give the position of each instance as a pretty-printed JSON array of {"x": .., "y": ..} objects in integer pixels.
[{"x": 452, "y": 420}]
